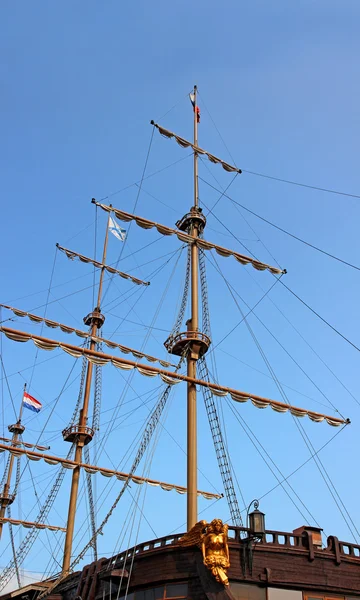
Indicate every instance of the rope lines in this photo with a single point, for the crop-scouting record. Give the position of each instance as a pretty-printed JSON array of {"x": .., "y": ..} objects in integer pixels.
[
  {"x": 304, "y": 185},
  {"x": 7, "y": 384},
  {"x": 13, "y": 549},
  {"x": 292, "y": 235},
  {"x": 237, "y": 204},
  {"x": 89, "y": 486},
  {"x": 44, "y": 315},
  {"x": 271, "y": 465},
  {"x": 29, "y": 539},
  {"x": 233, "y": 292},
  {"x": 309, "y": 345},
  {"x": 324, "y": 474},
  {"x": 281, "y": 180},
  {"x": 298, "y": 297},
  {"x": 219, "y": 445},
  {"x": 135, "y": 205},
  {"x": 103, "y": 524},
  {"x": 147, "y": 177},
  {"x": 320, "y": 317}
]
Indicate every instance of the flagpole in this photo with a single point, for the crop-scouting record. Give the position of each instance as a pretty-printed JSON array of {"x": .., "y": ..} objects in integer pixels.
[
  {"x": 196, "y": 178},
  {"x": 104, "y": 259},
  {"x": 82, "y": 434},
  {"x": 22, "y": 404},
  {"x": 6, "y": 499}
]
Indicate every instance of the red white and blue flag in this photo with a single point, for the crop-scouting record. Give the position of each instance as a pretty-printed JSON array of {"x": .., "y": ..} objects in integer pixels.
[
  {"x": 31, "y": 403},
  {"x": 196, "y": 108}
]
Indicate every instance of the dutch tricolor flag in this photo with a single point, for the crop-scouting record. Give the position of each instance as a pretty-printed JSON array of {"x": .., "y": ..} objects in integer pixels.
[{"x": 31, "y": 403}]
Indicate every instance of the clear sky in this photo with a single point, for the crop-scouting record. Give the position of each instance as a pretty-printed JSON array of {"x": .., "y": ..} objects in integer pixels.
[{"x": 80, "y": 82}]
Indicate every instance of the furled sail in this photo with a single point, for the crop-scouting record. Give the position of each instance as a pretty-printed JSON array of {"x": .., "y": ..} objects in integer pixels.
[
  {"x": 186, "y": 144},
  {"x": 92, "y": 469},
  {"x": 25, "y": 444},
  {"x": 83, "y": 334},
  {"x": 100, "y": 358},
  {"x": 71, "y": 255},
  {"x": 30, "y": 524},
  {"x": 184, "y": 237}
]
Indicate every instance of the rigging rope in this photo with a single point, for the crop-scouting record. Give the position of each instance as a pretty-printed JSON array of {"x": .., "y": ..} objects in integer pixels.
[
  {"x": 91, "y": 504},
  {"x": 221, "y": 454},
  {"x": 75, "y": 414},
  {"x": 97, "y": 392},
  {"x": 45, "y": 311},
  {"x": 7, "y": 385},
  {"x": 311, "y": 187},
  {"x": 299, "y": 425},
  {"x": 298, "y": 297},
  {"x": 147, "y": 177},
  {"x": 149, "y": 430},
  {"x": 292, "y": 235},
  {"x": 31, "y": 536},
  {"x": 257, "y": 446},
  {"x": 13, "y": 549},
  {"x": 210, "y": 405},
  {"x": 135, "y": 205},
  {"x": 242, "y": 216},
  {"x": 204, "y": 295},
  {"x": 180, "y": 318},
  {"x": 244, "y": 318},
  {"x": 148, "y": 334}
]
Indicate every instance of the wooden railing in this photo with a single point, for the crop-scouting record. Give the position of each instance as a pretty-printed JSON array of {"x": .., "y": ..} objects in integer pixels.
[{"x": 340, "y": 550}]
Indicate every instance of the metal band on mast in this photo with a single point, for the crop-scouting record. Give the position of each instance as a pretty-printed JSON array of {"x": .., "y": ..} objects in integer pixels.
[{"x": 82, "y": 434}]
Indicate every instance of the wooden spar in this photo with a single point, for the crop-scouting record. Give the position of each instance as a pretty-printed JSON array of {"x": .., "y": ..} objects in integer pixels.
[
  {"x": 107, "y": 472},
  {"x": 184, "y": 237},
  {"x": 31, "y": 524},
  {"x": 174, "y": 377},
  {"x": 71, "y": 254},
  {"x": 197, "y": 150},
  {"x": 85, "y": 334},
  {"x": 26, "y": 444}
]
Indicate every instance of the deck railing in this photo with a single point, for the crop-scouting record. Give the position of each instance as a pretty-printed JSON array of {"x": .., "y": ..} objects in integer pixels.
[{"x": 285, "y": 539}]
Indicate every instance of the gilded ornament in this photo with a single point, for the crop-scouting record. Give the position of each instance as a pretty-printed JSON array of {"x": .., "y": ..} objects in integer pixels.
[{"x": 212, "y": 539}]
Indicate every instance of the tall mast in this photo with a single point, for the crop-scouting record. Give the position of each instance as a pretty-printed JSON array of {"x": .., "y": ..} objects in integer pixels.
[
  {"x": 6, "y": 499},
  {"x": 81, "y": 434},
  {"x": 191, "y": 359},
  {"x": 192, "y": 343}
]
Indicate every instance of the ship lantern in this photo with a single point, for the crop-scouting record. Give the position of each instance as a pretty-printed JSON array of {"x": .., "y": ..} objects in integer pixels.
[{"x": 256, "y": 522}]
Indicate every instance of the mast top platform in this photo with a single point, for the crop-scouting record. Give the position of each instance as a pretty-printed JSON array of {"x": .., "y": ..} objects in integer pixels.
[
  {"x": 197, "y": 341},
  {"x": 194, "y": 217},
  {"x": 78, "y": 433},
  {"x": 16, "y": 428},
  {"x": 95, "y": 317},
  {"x": 6, "y": 499}
]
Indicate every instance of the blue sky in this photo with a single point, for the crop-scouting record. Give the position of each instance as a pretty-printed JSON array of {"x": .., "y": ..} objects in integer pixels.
[{"x": 79, "y": 85}]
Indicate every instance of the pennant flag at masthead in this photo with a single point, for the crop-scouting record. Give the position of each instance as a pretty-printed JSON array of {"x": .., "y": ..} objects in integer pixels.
[{"x": 196, "y": 108}]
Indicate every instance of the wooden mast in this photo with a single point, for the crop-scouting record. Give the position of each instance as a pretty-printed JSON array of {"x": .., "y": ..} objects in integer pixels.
[
  {"x": 6, "y": 499},
  {"x": 82, "y": 434},
  {"x": 192, "y": 357}
]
